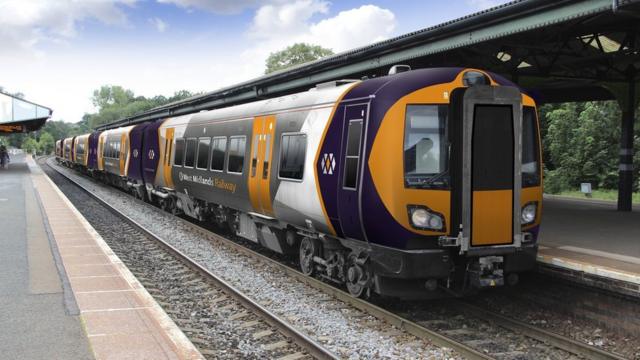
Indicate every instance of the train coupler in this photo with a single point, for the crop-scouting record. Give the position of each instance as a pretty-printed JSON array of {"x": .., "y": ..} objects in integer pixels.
[{"x": 487, "y": 271}]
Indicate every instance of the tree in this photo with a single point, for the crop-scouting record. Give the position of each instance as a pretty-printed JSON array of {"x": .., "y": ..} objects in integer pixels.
[
  {"x": 582, "y": 145},
  {"x": 109, "y": 95},
  {"x": 30, "y": 145},
  {"x": 115, "y": 103},
  {"x": 46, "y": 142},
  {"x": 295, "y": 54}
]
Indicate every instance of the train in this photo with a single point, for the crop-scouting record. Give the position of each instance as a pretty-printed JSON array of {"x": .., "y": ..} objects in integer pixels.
[{"x": 417, "y": 184}]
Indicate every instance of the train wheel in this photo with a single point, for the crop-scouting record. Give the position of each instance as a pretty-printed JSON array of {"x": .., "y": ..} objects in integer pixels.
[
  {"x": 308, "y": 249},
  {"x": 357, "y": 277}
]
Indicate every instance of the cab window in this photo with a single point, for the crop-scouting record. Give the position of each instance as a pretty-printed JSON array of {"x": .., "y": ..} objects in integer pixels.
[
  {"x": 426, "y": 147},
  {"x": 530, "y": 148}
]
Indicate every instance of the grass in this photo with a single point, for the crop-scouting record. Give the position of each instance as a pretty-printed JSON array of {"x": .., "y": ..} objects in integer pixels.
[{"x": 611, "y": 195}]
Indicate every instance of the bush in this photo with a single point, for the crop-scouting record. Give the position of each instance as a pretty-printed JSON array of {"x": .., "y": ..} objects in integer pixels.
[{"x": 555, "y": 182}]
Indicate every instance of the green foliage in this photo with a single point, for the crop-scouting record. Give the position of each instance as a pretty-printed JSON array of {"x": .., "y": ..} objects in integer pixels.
[
  {"x": 555, "y": 181},
  {"x": 581, "y": 144},
  {"x": 30, "y": 145},
  {"x": 115, "y": 103},
  {"x": 295, "y": 54},
  {"x": 46, "y": 143}
]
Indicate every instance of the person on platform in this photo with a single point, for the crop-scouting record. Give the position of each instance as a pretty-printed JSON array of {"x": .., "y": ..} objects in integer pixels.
[{"x": 4, "y": 157}]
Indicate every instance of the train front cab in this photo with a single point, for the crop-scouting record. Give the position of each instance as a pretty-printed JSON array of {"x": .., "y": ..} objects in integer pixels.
[{"x": 470, "y": 196}]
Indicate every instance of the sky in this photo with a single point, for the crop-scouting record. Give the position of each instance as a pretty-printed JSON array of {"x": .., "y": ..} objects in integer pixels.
[{"x": 57, "y": 52}]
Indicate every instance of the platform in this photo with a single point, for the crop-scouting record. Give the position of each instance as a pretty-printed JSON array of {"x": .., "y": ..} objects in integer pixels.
[
  {"x": 588, "y": 241},
  {"x": 63, "y": 293}
]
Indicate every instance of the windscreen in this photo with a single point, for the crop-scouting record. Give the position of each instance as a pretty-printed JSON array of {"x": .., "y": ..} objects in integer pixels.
[{"x": 426, "y": 147}]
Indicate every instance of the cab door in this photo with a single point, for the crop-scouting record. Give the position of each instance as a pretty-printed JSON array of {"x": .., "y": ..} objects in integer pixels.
[
  {"x": 349, "y": 188},
  {"x": 487, "y": 186},
  {"x": 261, "y": 164}
]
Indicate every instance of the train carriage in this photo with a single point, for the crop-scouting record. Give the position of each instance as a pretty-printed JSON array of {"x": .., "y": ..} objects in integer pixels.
[
  {"x": 113, "y": 155},
  {"x": 406, "y": 185},
  {"x": 81, "y": 150},
  {"x": 67, "y": 150},
  {"x": 58, "y": 149}
]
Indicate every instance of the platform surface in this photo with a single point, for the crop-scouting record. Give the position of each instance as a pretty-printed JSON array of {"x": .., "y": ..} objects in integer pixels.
[
  {"x": 592, "y": 237},
  {"x": 35, "y": 321},
  {"x": 93, "y": 307}
]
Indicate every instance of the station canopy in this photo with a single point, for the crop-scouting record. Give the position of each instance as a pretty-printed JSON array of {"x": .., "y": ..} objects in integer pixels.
[
  {"x": 19, "y": 115},
  {"x": 559, "y": 50}
]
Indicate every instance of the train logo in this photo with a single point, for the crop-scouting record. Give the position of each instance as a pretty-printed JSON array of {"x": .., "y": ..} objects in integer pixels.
[
  {"x": 152, "y": 154},
  {"x": 135, "y": 153},
  {"x": 328, "y": 164}
]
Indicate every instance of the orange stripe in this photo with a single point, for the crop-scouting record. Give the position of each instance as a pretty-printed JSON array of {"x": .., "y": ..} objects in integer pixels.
[
  {"x": 123, "y": 143},
  {"x": 254, "y": 169},
  {"x": 265, "y": 184},
  {"x": 168, "y": 180},
  {"x": 100, "y": 151}
]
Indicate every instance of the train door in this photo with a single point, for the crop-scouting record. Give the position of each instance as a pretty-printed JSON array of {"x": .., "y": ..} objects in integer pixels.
[
  {"x": 134, "y": 169},
  {"x": 486, "y": 178},
  {"x": 264, "y": 128},
  {"x": 150, "y": 148},
  {"x": 353, "y": 135},
  {"x": 92, "y": 162}
]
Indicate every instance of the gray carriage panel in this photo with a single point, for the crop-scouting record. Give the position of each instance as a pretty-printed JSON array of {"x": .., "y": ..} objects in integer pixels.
[
  {"x": 287, "y": 123},
  {"x": 229, "y": 189},
  {"x": 112, "y": 166}
]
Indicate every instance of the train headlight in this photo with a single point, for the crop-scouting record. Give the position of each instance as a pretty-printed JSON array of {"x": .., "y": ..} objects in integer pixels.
[
  {"x": 528, "y": 213},
  {"x": 423, "y": 218}
]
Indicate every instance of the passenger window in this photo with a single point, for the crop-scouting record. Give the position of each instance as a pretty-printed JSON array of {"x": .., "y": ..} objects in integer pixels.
[
  {"x": 178, "y": 156},
  {"x": 190, "y": 153},
  {"x": 292, "y": 155},
  {"x": 203, "y": 153},
  {"x": 353, "y": 154},
  {"x": 236, "y": 154},
  {"x": 219, "y": 149}
]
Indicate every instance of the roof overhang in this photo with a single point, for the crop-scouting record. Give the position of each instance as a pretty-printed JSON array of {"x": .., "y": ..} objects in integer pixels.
[{"x": 20, "y": 115}]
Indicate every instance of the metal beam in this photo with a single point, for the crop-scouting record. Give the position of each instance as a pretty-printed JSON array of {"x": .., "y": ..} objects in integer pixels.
[{"x": 625, "y": 173}]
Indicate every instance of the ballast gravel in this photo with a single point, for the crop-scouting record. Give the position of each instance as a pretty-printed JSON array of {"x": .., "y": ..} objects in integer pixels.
[{"x": 343, "y": 329}]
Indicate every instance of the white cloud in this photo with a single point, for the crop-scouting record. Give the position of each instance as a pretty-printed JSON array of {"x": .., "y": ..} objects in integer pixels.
[
  {"x": 215, "y": 6},
  {"x": 276, "y": 26},
  {"x": 353, "y": 28},
  {"x": 65, "y": 76},
  {"x": 160, "y": 25},
  {"x": 275, "y": 20},
  {"x": 23, "y": 24}
]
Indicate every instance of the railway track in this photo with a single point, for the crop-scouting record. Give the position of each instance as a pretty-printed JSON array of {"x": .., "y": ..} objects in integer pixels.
[
  {"x": 177, "y": 282},
  {"x": 471, "y": 341}
]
